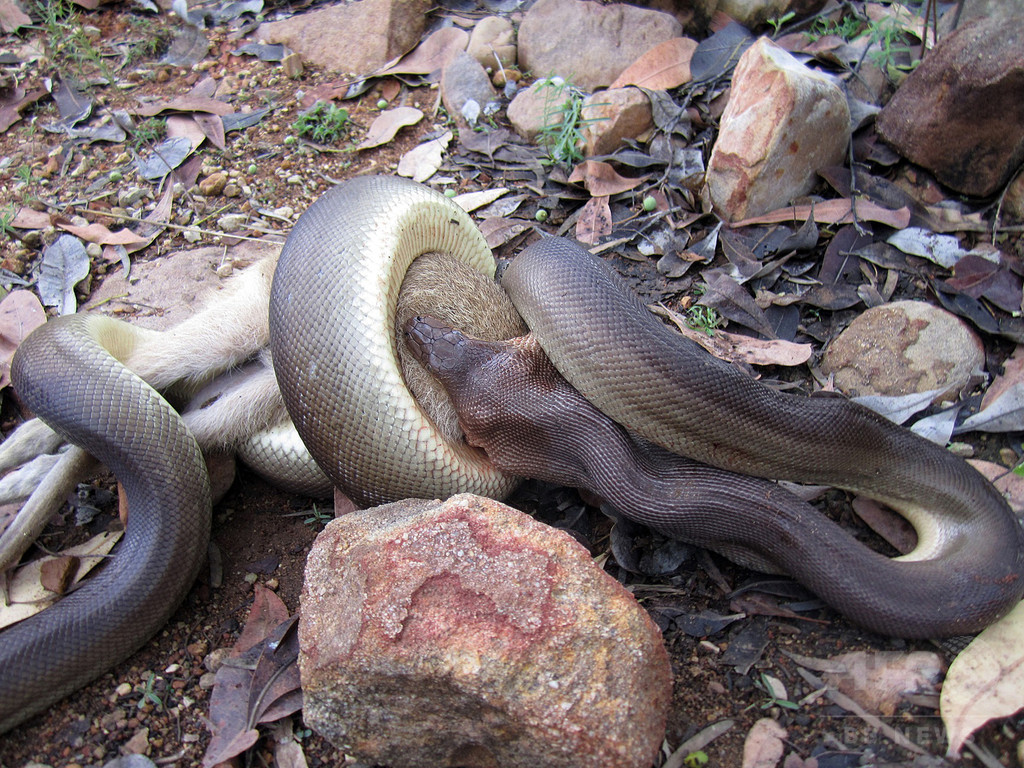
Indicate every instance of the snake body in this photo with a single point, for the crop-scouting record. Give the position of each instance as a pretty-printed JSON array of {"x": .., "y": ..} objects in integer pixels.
[{"x": 331, "y": 320}]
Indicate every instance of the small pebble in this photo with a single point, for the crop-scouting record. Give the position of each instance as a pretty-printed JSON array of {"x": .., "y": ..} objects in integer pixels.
[{"x": 123, "y": 689}]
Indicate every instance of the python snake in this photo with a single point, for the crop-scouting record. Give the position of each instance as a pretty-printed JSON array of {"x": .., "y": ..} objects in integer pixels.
[{"x": 331, "y": 328}]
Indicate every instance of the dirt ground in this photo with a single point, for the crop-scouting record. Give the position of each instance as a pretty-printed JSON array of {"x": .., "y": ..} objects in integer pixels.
[{"x": 155, "y": 703}]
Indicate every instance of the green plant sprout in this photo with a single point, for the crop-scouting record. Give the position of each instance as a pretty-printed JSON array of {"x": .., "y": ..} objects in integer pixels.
[
  {"x": 67, "y": 42},
  {"x": 703, "y": 319},
  {"x": 562, "y": 132},
  {"x": 324, "y": 123}
]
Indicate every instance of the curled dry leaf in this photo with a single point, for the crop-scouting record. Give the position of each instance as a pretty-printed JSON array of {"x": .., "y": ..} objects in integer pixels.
[
  {"x": 601, "y": 180},
  {"x": 470, "y": 201},
  {"x": 986, "y": 681},
  {"x": 98, "y": 233},
  {"x": 838, "y": 211},
  {"x": 420, "y": 162},
  {"x": 763, "y": 746},
  {"x": 20, "y": 314},
  {"x": 666, "y": 65},
  {"x": 387, "y": 124}
]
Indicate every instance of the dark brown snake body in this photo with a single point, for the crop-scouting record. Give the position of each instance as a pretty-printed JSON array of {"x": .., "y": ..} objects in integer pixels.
[{"x": 331, "y": 320}]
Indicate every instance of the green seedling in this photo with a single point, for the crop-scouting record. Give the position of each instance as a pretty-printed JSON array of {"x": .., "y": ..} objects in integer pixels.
[
  {"x": 562, "y": 133},
  {"x": 324, "y": 123},
  {"x": 703, "y": 319}
]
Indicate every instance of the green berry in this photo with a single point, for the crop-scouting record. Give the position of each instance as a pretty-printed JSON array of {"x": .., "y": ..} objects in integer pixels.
[
  {"x": 449, "y": 192},
  {"x": 382, "y": 104},
  {"x": 290, "y": 140},
  {"x": 115, "y": 176},
  {"x": 541, "y": 215},
  {"x": 650, "y": 203},
  {"x": 252, "y": 169}
]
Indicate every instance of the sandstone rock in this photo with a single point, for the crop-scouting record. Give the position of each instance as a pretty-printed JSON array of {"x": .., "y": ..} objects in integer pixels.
[
  {"x": 589, "y": 43},
  {"x": 466, "y": 90},
  {"x": 960, "y": 114},
  {"x": 753, "y": 13},
  {"x": 492, "y": 41},
  {"x": 213, "y": 184},
  {"x": 905, "y": 347},
  {"x": 613, "y": 115},
  {"x": 355, "y": 38},
  {"x": 782, "y": 123},
  {"x": 536, "y": 108},
  {"x": 1009, "y": 11},
  {"x": 465, "y": 633}
]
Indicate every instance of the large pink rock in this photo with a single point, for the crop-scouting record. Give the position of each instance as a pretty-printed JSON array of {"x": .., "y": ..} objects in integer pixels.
[
  {"x": 353, "y": 38},
  {"x": 589, "y": 43},
  {"x": 465, "y": 633},
  {"x": 960, "y": 114},
  {"x": 783, "y": 122}
]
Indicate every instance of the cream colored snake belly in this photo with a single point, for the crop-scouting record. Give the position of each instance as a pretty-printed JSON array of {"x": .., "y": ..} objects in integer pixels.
[{"x": 331, "y": 320}]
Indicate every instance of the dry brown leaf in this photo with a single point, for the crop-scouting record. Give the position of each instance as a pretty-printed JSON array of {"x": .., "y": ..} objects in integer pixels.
[
  {"x": 20, "y": 314},
  {"x": 666, "y": 65},
  {"x": 98, "y": 233},
  {"x": 1013, "y": 374},
  {"x": 27, "y": 218},
  {"x": 601, "y": 180},
  {"x": 838, "y": 211},
  {"x": 986, "y": 681},
  {"x": 29, "y": 597},
  {"x": 498, "y": 230},
  {"x": 387, "y": 124},
  {"x": 894, "y": 528},
  {"x": 185, "y": 125},
  {"x": 737, "y": 348},
  {"x": 432, "y": 54},
  {"x": 763, "y": 746},
  {"x": 595, "y": 221},
  {"x": 880, "y": 681},
  {"x": 19, "y": 98},
  {"x": 187, "y": 103}
]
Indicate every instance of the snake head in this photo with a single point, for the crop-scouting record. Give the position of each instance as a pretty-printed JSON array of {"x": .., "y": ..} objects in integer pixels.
[{"x": 510, "y": 400}]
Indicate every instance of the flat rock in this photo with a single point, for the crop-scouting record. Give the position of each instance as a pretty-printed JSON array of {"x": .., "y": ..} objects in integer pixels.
[
  {"x": 905, "y": 347},
  {"x": 465, "y": 633},
  {"x": 589, "y": 43},
  {"x": 613, "y": 115},
  {"x": 960, "y": 114},
  {"x": 354, "y": 38},
  {"x": 783, "y": 122}
]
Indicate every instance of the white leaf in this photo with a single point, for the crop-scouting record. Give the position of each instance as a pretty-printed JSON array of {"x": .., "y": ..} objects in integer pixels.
[
  {"x": 65, "y": 264},
  {"x": 986, "y": 681}
]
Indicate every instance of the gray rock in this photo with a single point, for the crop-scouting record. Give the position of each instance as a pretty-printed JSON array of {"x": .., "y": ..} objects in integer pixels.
[
  {"x": 463, "y": 81},
  {"x": 589, "y": 43},
  {"x": 905, "y": 347},
  {"x": 465, "y": 633},
  {"x": 960, "y": 114}
]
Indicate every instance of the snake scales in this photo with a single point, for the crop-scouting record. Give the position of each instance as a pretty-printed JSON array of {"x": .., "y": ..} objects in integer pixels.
[{"x": 331, "y": 321}]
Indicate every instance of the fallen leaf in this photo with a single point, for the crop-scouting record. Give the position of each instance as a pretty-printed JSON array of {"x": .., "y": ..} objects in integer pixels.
[
  {"x": 601, "y": 180},
  {"x": 838, "y": 211},
  {"x": 421, "y": 162},
  {"x": 737, "y": 348},
  {"x": 1006, "y": 481},
  {"x": 665, "y": 66},
  {"x": 19, "y": 98},
  {"x": 387, "y": 124},
  {"x": 29, "y": 597},
  {"x": 29, "y": 218},
  {"x": 187, "y": 103},
  {"x": 164, "y": 157},
  {"x": 187, "y": 127},
  {"x": 943, "y": 250},
  {"x": 892, "y": 527},
  {"x": 719, "y": 53},
  {"x": 764, "y": 745},
  {"x": 98, "y": 233},
  {"x": 498, "y": 230},
  {"x": 65, "y": 264},
  {"x": 880, "y": 681},
  {"x": 432, "y": 54},
  {"x": 258, "y": 685},
  {"x": 20, "y": 314},
  {"x": 470, "y": 201},
  {"x": 595, "y": 221},
  {"x": 986, "y": 681}
]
